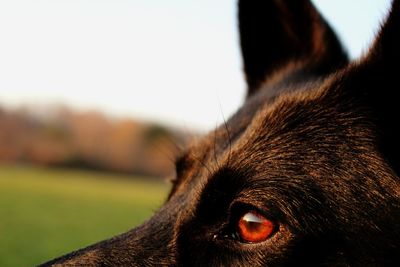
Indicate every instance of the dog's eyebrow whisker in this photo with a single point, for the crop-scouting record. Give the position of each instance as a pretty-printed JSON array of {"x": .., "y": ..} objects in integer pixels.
[
  {"x": 228, "y": 133},
  {"x": 202, "y": 164},
  {"x": 215, "y": 148}
]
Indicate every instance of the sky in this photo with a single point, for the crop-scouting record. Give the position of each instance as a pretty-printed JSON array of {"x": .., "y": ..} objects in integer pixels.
[{"x": 176, "y": 61}]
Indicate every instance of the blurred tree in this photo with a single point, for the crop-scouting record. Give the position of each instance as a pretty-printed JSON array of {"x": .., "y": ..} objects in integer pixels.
[{"x": 61, "y": 137}]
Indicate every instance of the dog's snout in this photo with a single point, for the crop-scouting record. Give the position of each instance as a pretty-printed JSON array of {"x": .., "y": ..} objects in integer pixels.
[{"x": 150, "y": 244}]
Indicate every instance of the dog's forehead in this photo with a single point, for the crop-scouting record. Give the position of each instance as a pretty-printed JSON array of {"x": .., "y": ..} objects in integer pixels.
[
  {"x": 298, "y": 128},
  {"x": 281, "y": 117},
  {"x": 263, "y": 105},
  {"x": 265, "y": 112}
]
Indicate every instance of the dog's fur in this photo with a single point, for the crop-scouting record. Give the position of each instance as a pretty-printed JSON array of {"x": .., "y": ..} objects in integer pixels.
[{"x": 315, "y": 148}]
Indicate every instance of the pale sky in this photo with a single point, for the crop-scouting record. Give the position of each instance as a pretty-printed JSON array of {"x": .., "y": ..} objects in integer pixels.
[{"x": 175, "y": 61}]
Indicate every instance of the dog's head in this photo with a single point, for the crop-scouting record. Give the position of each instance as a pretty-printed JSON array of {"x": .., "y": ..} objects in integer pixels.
[{"x": 305, "y": 173}]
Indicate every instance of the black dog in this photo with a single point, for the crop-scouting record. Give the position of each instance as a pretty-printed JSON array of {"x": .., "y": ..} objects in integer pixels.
[{"x": 305, "y": 173}]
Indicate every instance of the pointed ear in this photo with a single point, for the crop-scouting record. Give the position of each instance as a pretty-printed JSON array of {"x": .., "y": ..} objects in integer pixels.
[
  {"x": 376, "y": 77},
  {"x": 385, "y": 52},
  {"x": 275, "y": 33},
  {"x": 374, "y": 81}
]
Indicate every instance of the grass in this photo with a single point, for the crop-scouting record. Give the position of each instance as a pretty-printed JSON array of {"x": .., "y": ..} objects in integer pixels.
[{"x": 46, "y": 213}]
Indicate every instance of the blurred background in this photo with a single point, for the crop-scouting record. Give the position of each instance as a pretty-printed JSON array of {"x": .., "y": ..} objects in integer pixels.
[{"x": 97, "y": 97}]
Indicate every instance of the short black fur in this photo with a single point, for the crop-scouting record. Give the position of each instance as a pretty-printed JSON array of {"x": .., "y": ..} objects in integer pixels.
[{"x": 314, "y": 148}]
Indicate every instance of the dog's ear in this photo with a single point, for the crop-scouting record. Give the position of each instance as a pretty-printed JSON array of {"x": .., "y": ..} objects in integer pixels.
[
  {"x": 385, "y": 52},
  {"x": 374, "y": 81},
  {"x": 276, "y": 33}
]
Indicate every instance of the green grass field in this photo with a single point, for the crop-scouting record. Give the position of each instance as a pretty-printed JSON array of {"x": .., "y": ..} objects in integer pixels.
[{"x": 45, "y": 213}]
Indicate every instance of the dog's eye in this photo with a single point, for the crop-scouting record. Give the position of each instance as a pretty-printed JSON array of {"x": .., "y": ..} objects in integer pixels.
[{"x": 253, "y": 227}]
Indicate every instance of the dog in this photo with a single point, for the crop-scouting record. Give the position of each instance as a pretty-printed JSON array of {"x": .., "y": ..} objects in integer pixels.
[{"x": 305, "y": 173}]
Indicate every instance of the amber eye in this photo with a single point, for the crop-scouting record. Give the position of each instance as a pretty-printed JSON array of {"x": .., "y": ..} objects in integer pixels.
[{"x": 254, "y": 227}]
